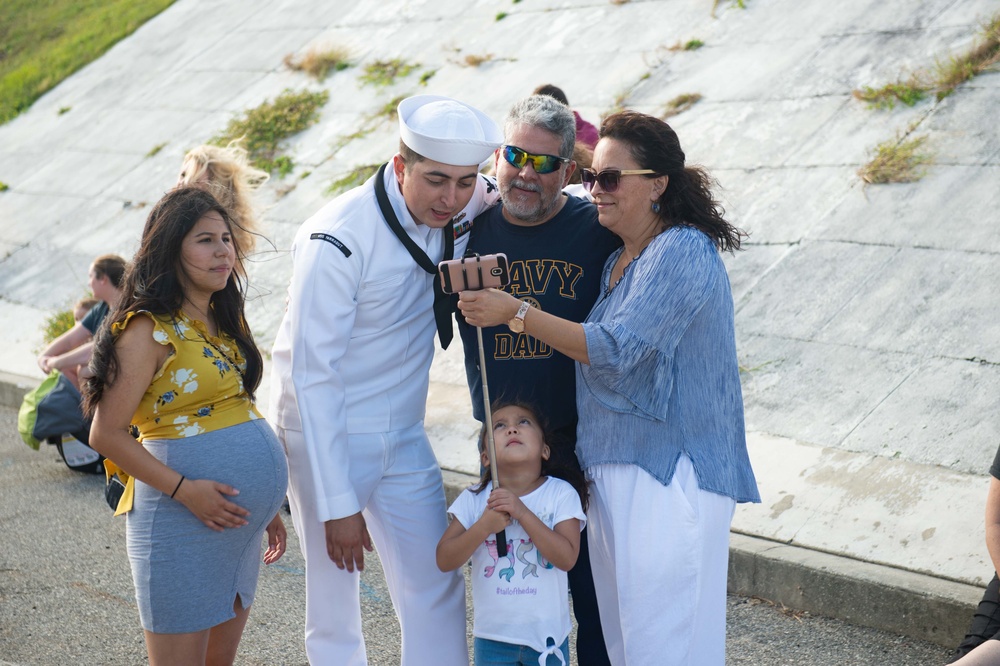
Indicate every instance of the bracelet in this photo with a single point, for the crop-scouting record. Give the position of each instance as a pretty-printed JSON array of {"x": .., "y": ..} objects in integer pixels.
[{"x": 178, "y": 487}]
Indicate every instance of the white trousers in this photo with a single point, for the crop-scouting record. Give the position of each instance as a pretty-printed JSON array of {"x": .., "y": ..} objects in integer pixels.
[
  {"x": 398, "y": 482},
  {"x": 660, "y": 557}
]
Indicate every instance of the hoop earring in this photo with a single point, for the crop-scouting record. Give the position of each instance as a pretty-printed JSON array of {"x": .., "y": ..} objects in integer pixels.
[{"x": 656, "y": 207}]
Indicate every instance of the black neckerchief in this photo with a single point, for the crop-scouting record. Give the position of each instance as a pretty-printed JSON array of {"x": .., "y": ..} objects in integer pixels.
[{"x": 443, "y": 303}]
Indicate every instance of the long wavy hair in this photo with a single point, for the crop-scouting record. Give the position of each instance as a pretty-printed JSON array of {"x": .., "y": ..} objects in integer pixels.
[
  {"x": 555, "y": 466},
  {"x": 688, "y": 198},
  {"x": 153, "y": 283}
]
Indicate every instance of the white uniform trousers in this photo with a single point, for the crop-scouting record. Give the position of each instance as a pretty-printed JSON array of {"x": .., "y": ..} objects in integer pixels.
[
  {"x": 398, "y": 482},
  {"x": 660, "y": 557}
]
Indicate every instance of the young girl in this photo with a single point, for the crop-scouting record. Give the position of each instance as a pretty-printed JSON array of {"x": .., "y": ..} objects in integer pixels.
[{"x": 521, "y": 600}]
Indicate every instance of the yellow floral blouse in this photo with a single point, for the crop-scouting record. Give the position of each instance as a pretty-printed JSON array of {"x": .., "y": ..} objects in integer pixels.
[{"x": 197, "y": 389}]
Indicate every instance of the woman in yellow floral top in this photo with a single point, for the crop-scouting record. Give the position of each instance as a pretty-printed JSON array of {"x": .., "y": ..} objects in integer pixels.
[{"x": 180, "y": 364}]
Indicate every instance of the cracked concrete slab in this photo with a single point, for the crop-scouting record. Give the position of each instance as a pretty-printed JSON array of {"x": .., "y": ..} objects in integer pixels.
[
  {"x": 952, "y": 208},
  {"x": 812, "y": 392},
  {"x": 888, "y": 511}
]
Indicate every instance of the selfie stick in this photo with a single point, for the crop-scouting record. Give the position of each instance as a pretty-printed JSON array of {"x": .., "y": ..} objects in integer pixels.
[{"x": 491, "y": 449}]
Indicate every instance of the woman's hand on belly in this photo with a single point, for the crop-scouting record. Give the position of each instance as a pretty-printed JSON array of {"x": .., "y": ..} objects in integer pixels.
[{"x": 207, "y": 501}]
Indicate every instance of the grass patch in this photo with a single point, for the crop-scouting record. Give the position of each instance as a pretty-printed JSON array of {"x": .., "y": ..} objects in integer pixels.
[
  {"x": 735, "y": 4},
  {"x": 319, "y": 63},
  {"x": 63, "y": 110},
  {"x": 41, "y": 43},
  {"x": 355, "y": 177},
  {"x": 908, "y": 92},
  {"x": 617, "y": 106},
  {"x": 385, "y": 72},
  {"x": 155, "y": 149},
  {"x": 945, "y": 76},
  {"x": 427, "y": 76},
  {"x": 472, "y": 60},
  {"x": 4, "y": 186},
  {"x": 679, "y": 104},
  {"x": 284, "y": 165},
  {"x": 263, "y": 128},
  {"x": 985, "y": 53},
  {"x": 372, "y": 121},
  {"x": 56, "y": 324},
  {"x": 501, "y": 16},
  {"x": 689, "y": 45},
  {"x": 900, "y": 160},
  {"x": 388, "y": 111}
]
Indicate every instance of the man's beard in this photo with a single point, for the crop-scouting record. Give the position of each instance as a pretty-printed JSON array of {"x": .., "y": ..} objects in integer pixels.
[{"x": 522, "y": 210}]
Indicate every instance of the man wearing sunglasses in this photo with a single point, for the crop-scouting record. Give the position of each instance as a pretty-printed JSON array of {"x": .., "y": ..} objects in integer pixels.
[
  {"x": 556, "y": 250},
  {"x": 349, "y": 384}
]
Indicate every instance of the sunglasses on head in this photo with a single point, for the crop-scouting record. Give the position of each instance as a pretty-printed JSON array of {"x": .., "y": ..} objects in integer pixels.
[
  {"x": 609, "y": 179},
  {"x": 542, "y": 164}
]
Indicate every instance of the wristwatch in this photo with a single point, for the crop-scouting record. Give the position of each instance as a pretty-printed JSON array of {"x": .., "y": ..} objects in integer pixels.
[{"x": 517, "y": 323}]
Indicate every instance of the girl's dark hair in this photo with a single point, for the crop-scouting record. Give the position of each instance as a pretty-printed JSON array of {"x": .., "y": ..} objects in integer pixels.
[
  {"x": 688, "y": 198},
  {"x": 112, "y": 266},
  {"x": 556, "y": 466},
  {"x": 152, "y": 283}
]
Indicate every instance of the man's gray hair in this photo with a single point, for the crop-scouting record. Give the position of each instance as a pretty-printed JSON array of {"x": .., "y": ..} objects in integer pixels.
[{"x": 548, "y": 114}]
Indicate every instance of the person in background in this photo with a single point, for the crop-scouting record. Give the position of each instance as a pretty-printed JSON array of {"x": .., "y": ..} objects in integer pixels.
[
  {"x": 586, "y": 133},
  {"x": 661, "y": 434},
  {"x": 178, "y": 362},
  {"x": 70, "y": 352},
  {"x": 981, "y": 645},
  {"x": 82, "y": 307},
  {"x": 556, "y": 250},
  {"x": 226, "y": 173}
]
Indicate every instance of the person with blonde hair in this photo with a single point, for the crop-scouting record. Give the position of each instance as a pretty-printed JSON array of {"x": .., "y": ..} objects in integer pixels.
[{"x": 228, "y": 175}]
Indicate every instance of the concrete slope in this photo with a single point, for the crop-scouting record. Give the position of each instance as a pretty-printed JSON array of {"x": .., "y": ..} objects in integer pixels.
[{"x": 865, "y": 315}]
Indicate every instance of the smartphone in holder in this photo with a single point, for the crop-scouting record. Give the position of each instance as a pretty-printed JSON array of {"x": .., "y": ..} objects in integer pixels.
[{"x": 474, "y": 272}]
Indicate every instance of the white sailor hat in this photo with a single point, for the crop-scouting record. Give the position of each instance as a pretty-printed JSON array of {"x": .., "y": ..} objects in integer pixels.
[{"x": 447, "y": 131}]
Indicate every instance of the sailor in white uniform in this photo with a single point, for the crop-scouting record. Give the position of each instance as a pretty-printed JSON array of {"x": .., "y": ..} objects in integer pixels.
[{"x": 349, "y": 386}]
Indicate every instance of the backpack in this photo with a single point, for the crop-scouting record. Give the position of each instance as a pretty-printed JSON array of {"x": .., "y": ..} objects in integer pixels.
[{"x": 52, "y": 410}]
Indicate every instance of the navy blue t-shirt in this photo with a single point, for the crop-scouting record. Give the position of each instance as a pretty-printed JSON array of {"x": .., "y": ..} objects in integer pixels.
[
  {"x": 92, "y": 320},
  {"x": 557, "y": 266}
]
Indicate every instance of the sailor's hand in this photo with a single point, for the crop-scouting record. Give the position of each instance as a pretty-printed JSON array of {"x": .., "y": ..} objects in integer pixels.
[{"x": 347, "y": 540}]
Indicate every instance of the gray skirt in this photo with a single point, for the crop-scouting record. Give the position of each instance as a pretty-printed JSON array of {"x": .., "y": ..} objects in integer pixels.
[{"x": 186, "y": 576}]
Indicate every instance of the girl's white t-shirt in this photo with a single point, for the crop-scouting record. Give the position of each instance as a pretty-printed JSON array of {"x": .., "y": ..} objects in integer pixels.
[{"x": 520, "y": 599}]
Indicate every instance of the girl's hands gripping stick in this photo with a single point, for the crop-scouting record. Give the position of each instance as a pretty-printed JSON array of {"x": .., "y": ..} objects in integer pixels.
[{"x": 504, "y": 501}]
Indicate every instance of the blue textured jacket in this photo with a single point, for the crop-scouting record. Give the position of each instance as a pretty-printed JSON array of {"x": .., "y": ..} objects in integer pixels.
[{"x": 663, "y": 377}]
